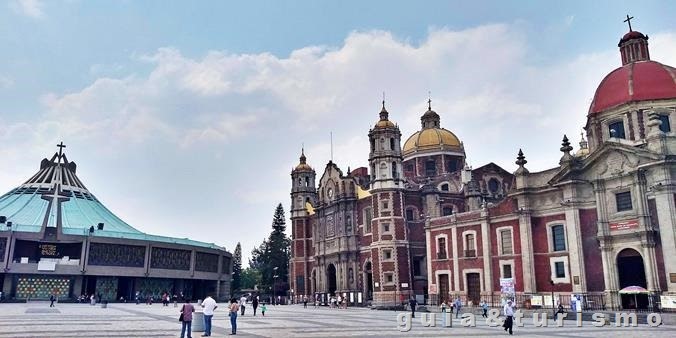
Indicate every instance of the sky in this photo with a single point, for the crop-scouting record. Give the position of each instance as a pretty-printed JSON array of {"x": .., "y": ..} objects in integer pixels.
[{"x": 186, "y": 118}]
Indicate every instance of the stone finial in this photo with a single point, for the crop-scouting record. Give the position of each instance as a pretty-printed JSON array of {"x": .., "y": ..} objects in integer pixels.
[
  {"x": 521, "y": 161},
  {"x": 566, "y": 148},
  {"x": 565, "y": 145}
]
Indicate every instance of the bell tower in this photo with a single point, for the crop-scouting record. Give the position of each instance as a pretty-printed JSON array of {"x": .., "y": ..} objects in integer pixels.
[
  {"x": 385, "y": 155},
  {"x": 303, "y": 198}
]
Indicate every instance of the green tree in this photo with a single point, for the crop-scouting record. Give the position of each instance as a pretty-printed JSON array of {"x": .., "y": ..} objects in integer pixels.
[
  {"x": 271, "y": 257},
  {"x": 251, "y": 278},
  {"x": 237, "y": 270}
]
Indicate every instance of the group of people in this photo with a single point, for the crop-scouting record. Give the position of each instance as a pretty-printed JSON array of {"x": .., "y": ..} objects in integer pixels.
[
  {"x": 338, "y": 302},
  {"x": 209, "y": 305}
]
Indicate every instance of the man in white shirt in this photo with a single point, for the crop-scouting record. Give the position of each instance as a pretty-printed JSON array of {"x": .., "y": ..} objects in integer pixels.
[
  {"x": 209, "y": 305},
  {"x": 508, "y": 311},
  {"x": 242, "y": 303}
]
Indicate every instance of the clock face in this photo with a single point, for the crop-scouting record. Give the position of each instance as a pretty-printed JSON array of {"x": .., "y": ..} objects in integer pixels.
[{"x": 330, "y": 192}]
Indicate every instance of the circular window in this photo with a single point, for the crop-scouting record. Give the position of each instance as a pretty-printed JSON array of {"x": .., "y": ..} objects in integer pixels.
[{"x": 493, "y": 185}]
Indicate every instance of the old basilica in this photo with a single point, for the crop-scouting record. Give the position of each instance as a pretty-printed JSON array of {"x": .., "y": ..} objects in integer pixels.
[{"x": 418, "y": 221}]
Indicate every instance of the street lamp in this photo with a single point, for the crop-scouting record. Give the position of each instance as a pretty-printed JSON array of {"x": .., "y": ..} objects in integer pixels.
[
  {"x": 274, "y": 285},
  {"x": 551, "y": 282}
]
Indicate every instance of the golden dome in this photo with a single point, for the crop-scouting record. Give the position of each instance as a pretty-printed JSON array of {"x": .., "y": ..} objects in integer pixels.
[
  {"x": 302, "y": 166},
  {"x": 430, "y": 139},
  {"x": 384, "y": 124}
]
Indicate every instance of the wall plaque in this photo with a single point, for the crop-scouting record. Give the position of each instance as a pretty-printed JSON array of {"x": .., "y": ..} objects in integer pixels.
[
  {"x": 672, "y": 277},
  {"x": 624, "y": 225}
]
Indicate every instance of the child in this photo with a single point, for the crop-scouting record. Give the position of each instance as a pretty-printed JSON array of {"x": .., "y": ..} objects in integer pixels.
[{"x": 263, "y": 308}]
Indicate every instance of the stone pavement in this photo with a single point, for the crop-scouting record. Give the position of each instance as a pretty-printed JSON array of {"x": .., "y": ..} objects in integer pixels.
[{"x": 36, "y": 319}]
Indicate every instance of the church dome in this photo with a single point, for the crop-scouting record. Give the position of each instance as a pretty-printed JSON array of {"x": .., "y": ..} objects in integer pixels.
[
  {"x": 636, "y": 81},
  {"x": 639, "y": 78},
  {"x": 302, "y": 165},
  {"x": 430, "y": 139}
]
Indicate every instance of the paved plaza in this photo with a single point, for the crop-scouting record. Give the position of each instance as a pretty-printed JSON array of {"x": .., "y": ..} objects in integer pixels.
[{"x": 130, "y": 320}]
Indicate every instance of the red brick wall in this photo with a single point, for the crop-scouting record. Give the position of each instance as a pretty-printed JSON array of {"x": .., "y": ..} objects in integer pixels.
[
  {"x": 593, "y": 263},
  {"x": 541, "y": 254},
  {"x": 495, "y": 258}
]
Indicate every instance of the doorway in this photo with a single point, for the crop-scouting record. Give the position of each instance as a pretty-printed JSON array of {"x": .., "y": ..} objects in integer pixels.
[
  {"x": 331, "y": 278},
  {"x": 473, "y": 287},
  {"x": 631, "y": 271},
  {"x": 368, "y": 279},
  {"x": 443, "y": 288}
]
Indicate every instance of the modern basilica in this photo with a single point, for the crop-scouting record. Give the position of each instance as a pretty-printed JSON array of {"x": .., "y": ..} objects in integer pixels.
[{"x": 419, "y": 221}]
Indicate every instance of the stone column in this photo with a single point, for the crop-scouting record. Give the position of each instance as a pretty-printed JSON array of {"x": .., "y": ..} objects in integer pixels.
[
  {"x": 486, "y": 249},
  {"x": 666, "y": 212},
  {"x": 574, "y": 238},
  {"x": 456, "y": 273},
  {"x": 428, "y": 240},
  {"x": 525, "y": 238}
]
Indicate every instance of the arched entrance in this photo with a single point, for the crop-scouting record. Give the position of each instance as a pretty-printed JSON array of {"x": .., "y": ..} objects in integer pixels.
[
  {"x": 631, "y": 271},
  {"x": 368, "y": 281},
  {"x": 314, "y": 281},
  {"x": 331, "y": 278}
]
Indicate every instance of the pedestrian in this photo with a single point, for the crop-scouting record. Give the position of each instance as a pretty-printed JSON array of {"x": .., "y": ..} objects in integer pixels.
[
  {"x": 186, "y": 318},
  {"x": 316, "y": 300},
  {"x": 242, "y": 303},
  {"x": 560, "y": 310},
  {"x": 508, "y": 311},
  {"x": 174, "y": 299},
  {"x": 92, "y": 300},
  {"x": 254, "y": 303},
  {"x": 51, "y": 300},
  {"x": 484, "y": 308},
  {"x": 209, "y": 305},
  {"x": 234, "y": 308},
  {"x": 412, "y": 302},
  {"x": 458, "y": 305},
  {"x": 305, "y": 302},
  {"x": 137, "y": 297},
  {"x": 340, "y": 301},
  {"x": 263, "y": 309}
]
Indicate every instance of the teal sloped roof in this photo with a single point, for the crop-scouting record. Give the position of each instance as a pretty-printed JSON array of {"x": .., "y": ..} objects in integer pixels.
[{"x": 28, "y": 207}]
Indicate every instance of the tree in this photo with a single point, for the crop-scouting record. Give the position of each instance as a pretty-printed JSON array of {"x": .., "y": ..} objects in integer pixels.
[
  {"x": 250, "y": 278},
  {"x": 273, "y": 253},
  {"x": 237, "y": 270}
]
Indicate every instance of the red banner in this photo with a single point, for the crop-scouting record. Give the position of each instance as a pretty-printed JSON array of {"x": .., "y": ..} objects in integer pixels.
[{"x": 624, "y": 225}]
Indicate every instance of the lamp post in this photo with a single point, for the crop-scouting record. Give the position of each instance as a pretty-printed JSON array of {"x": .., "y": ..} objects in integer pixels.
[
  {"x": 274, "y": 285},
  {"x": 551, "y": 282}
]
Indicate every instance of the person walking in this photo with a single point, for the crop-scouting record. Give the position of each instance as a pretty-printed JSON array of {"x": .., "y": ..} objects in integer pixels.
[
  {"x": 242, "y": 303},
  {"x": 234, "y": 308},
  {"x": 186, "y": 318},
  {"x": 305, "y": 302},
  {"x": 254, "y": 303},
  {"x": 484, "y": 308},
  {"x": 458, "y": 305},
  {"x": 508, "y": 311},
  {"x": 92, "y": 300},
  {"x": 412, "y": 302},
  {"x": 209, "y": 305},
  {"x": 51, "y": 300},
  {"x": 263, "y": 309},
  {"x": 443, "y": 312}
]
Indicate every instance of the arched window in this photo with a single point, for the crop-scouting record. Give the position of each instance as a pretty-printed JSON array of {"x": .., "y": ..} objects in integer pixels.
[
  {"x": 447, "y": 210},
  {"x": 430, "y": 167},
  {"x": 616, "y": 129},
  {"x": 373, "y": 145},
  {"x": 391, "y": 143},
  {"x": 307, "y": 181},
  {"x": 394, "y": 169},
  {"x": 383, "y": 169}
]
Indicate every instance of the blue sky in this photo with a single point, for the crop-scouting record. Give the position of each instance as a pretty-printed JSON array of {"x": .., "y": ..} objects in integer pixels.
[{"x": 185, "y": 118}]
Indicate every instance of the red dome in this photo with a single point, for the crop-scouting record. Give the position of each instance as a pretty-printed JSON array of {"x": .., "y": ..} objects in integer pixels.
[
  {"x": 636, "y": 81},
  {"x": 633, "y": 35}
]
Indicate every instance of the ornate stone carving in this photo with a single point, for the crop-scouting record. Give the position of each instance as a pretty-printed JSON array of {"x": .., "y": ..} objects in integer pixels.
[
  {"x": 172, "y": 259},
  {"x": 117, "y": 255},
  {"x": 206, "y": 262}
]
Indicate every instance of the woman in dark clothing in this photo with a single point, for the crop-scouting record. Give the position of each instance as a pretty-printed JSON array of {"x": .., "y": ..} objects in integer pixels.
[{"x": 254, "y": 303}]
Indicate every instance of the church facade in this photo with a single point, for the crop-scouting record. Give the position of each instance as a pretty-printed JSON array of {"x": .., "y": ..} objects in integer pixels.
[{"x": 419, "y": 222}]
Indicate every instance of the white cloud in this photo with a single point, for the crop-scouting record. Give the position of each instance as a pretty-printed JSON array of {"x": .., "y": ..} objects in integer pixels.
[
  {"x": 30, "y": 8},
  {"x": 226, "y": 128},
  {"x": 5, "y": 82}
]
